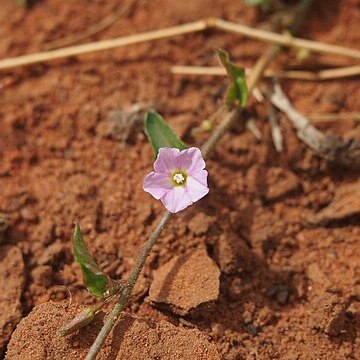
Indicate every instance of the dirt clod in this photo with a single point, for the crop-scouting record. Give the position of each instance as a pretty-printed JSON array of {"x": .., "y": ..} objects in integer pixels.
[
  {"x": 185, "y": 282},
  {"x": 12, "y": 281},
  {"x": 329, "y": 314},
  {"x": 52, "y": 253},
  {"x": 200, "y": 224},
  {"x": 280, "y": 182},
  {"x": 272, "y": 183},
  {"x": 232, "y": 253},
  {"x": 346, "y": 203},
  {"x": 42, "y": 275}
]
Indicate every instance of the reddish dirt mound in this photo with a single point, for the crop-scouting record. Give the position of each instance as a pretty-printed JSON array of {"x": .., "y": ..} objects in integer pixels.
[
  {"x": 278, "y": 226},
  {"x": 37, "y": 337},
  {"x": 185, "y": 282}
]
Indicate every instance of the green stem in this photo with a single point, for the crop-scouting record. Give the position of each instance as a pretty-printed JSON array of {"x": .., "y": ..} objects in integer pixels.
[{"x": 111, "y": 319}]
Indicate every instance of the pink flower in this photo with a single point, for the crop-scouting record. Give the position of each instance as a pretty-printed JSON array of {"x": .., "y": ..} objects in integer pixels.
[{"x": 179, "y": 178}]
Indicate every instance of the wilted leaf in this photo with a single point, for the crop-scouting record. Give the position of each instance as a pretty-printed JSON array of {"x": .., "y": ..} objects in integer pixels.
[
  {"x": 160, "y": 134},
  {"x": 82, "y": 319},
  {"x": 237, "y": 89},
  {"x": 94, "y": 279}
]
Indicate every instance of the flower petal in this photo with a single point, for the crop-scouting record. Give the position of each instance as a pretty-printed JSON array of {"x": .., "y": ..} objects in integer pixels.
[
  {"x": 196, "y": 185},
  {"x": 191, "y": 160},
  {"x": 166, "y": 161},
  {"x": 176, "y": 199},
  {"x": 157, "y": 184},
  {"x": 201, "y": 177}
]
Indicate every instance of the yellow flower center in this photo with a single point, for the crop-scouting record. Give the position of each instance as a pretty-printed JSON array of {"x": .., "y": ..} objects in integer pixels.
[{"x": 178, "y": 178}]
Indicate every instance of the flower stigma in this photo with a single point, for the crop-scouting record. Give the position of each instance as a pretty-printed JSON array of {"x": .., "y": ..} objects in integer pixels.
[{"x": 179, "y": 178}]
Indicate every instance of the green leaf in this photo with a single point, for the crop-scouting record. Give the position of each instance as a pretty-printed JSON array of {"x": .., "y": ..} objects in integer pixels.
[
  {"x": 237, "y": 90},
  {"x": 160, "y": 134},
  {"x": 95, "y": 280}
]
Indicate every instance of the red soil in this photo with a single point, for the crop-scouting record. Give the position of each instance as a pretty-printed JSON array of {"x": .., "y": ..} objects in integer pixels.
[{"x": 289, "y": 285}]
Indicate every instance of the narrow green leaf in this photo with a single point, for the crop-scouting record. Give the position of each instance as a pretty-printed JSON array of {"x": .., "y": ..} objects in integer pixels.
[
  {"x": 94, "y": 279},
  {"x": 160, "y": 134},
  {"x": 237, "y": 90}
]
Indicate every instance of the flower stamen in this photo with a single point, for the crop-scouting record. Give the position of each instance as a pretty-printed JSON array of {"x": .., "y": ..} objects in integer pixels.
[{"x": 179, "y": 178}]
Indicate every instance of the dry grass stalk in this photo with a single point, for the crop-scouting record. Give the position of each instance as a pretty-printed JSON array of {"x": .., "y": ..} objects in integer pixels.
[
  {"x": 276, "y": 132},
  {"x": 328, "y": 74},
  {"x": 196, "y": 26}
]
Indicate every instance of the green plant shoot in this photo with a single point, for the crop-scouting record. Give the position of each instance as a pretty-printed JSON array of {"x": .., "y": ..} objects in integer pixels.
[{"x": 237, "y": 91}]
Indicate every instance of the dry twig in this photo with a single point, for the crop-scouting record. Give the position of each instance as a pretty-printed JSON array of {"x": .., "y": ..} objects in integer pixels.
[
  {"x": 285, "y": 40},
  {"x": 330, "y": 147},
  {"x": 324, "y": 117},
  {"x": 251, "y": 126},
  {"x": 196, "y": 26},
  {"x": 328, "y": 74},
  {"x": 276, "y": 133},
  {"x": 102, "y": 45}
]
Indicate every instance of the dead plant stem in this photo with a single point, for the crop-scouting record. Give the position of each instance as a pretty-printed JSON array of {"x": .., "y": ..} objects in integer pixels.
[
  {"x": 102, "y": 45},
  {"x": 327, "y": 74},
  {"x": 267, "y": 36}
]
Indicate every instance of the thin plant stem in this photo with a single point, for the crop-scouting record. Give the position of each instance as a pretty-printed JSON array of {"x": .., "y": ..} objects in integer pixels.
[
  {"x": 201, "y": 25},
  {"x": 111, "y": 319}
]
